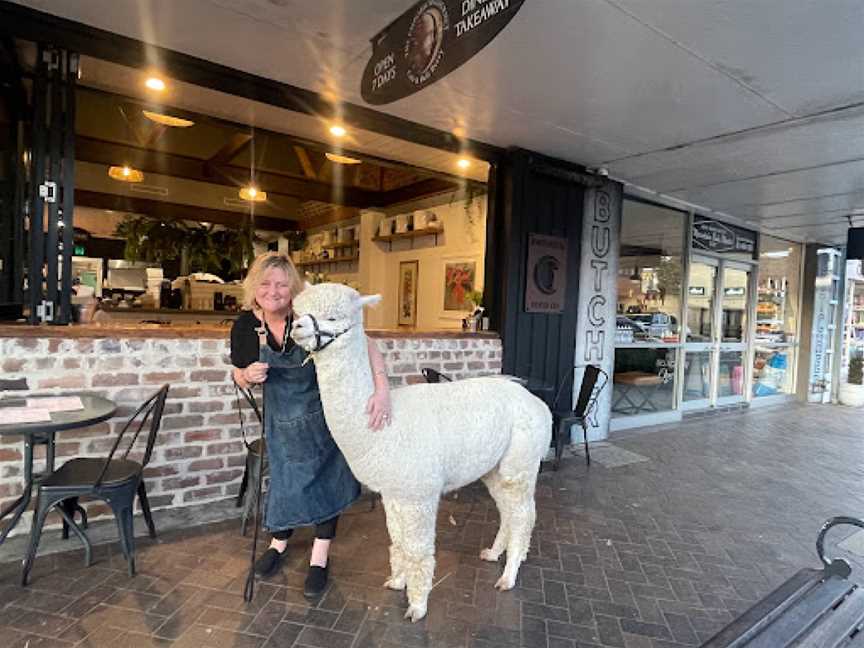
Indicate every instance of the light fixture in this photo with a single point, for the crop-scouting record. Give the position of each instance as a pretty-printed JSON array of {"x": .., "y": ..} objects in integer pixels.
[
  {"x": 338, "y": 131},
  {"x": 252, "y": 194},
  {"x": 463, "y": 163},
  {"x": 341, "y": 159},
  {"x": 125, "y": 174},
  {"x": 155, "y": 83},
  {"x": 167, "y": 120},
  {"x": 779, "y": 254}
]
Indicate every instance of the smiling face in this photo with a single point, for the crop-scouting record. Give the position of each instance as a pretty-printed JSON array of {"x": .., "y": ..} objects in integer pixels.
[{"x": 273, "y": 294}]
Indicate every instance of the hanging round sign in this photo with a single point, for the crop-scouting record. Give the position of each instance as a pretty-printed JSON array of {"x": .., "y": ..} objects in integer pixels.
[{"x": 429, "y": 41}]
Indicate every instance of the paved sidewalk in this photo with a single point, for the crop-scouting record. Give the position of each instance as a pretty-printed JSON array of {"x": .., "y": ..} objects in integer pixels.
[{"x": 669, "y": 534}]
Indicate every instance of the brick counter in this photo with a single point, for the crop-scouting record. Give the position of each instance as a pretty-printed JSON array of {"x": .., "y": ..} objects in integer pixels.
[{"x": 199, "y": 454}]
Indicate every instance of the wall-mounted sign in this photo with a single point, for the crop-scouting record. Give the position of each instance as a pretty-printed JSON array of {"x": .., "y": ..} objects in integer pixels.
[
  {"x": 546, "y": 276},
  {"x": 698, "y": 291},
  {"x": 722, "y": 238},
  {"x": 735, "y": 291},
  {"x": 429, "y": 41}
]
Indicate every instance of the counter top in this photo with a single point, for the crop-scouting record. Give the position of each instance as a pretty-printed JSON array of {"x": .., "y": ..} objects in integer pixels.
[
  {"x": 202, "y": 331},
  {"x": 166, "y": 311}
]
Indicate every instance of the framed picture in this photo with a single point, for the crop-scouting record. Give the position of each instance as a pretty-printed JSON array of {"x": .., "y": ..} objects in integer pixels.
[
  {"x": 408, "y": 271},
  {"x": 460, "y": 279}
]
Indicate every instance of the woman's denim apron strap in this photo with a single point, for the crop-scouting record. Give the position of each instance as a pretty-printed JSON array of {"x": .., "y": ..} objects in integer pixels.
[{"x": 310, "y": 481}]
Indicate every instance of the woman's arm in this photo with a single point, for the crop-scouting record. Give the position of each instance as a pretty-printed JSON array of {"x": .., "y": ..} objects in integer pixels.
[{"x": 378, "y": 406}]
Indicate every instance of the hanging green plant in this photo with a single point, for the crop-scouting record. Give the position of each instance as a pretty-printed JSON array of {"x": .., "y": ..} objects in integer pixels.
[{"x": 150, "y": 240}]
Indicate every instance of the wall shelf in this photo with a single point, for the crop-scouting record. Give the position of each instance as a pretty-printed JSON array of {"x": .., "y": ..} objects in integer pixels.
[
  {"x": 341, "y": 246},
  {"x": 413, "y": 234},
  {"x": 320, "y": 262}
]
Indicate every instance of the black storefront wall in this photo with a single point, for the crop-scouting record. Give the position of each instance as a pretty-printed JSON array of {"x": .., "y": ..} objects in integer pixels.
[{"x": 534, "y": 194}]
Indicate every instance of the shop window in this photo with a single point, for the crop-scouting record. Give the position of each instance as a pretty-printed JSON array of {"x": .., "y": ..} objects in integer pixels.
[
  {"x": 777, "y": 316},
  {"x": 649, "y": 309}
]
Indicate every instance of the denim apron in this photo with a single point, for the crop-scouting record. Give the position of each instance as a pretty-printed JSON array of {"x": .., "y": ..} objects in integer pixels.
[{"x": 310, "y": 481}]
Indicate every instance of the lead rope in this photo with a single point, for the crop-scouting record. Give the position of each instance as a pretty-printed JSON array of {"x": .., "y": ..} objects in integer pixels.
[{"x": 249, "y": 589}]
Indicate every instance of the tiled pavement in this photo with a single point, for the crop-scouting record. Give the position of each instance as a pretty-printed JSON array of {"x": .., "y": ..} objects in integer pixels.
[{"x": 655, "y": 553}]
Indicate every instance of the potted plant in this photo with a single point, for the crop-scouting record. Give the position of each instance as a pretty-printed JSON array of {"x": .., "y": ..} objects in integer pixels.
[{"x": 852, "y": 391}]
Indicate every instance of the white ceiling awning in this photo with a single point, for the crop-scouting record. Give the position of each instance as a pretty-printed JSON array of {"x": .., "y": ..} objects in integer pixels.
[{"x": 751, "y": 109}]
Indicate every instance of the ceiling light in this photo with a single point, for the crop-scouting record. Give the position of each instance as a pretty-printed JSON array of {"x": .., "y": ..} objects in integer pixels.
[
  {"x": 341, "y": 159},
  {"x": 252, "y": 194},
  {"x": 463, "y": 163},
  {"x": 338, "y": 131},
  {"x": 125, "y": 174},
  {"x": 155, "y": 83},
  {"x": 167, "y": 120},
  {"x": 780, "y": 254}
]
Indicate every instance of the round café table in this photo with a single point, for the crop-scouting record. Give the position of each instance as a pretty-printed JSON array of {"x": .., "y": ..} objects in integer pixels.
[{"x": 96, "y": 409}]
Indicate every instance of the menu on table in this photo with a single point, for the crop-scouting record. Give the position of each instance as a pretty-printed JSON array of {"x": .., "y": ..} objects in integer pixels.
[
  {"x": 25, "y": 415},
  {"x": 56, "y": 403}
]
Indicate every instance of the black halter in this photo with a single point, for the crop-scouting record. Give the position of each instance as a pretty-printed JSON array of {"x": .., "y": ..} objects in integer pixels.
[{"x": 320, "y": 335}]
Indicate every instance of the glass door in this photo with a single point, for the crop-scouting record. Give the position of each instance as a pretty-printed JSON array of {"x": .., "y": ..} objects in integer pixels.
[
  {"x": 715, "y": 348},
  {"x": 700, "y": 333},
  {"x": 734, "y": 322}
]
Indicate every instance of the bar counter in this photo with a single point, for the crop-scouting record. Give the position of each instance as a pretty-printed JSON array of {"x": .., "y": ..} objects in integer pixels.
[{"x": 199, "y": 455}]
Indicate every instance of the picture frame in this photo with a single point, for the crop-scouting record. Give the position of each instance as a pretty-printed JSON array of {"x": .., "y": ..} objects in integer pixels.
[
  {"x": 459, "y": 279},
  {"x": 407, "y": 296}
]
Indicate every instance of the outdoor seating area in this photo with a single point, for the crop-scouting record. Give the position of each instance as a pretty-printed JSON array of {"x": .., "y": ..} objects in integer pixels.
[{"x": 661, "y": 542}]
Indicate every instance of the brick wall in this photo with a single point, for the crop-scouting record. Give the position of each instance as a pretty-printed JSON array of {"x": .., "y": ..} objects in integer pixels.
[{"x": 199, "y": 454}]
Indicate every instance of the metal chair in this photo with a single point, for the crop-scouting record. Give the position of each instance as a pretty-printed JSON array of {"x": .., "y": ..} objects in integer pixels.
[
  {"x": 114, "y": 480},
  {"x": 249, "y": 485},
  {"x": 564, "y": 418}
]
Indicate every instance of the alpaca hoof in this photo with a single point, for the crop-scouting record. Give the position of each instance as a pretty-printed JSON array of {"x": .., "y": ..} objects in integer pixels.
[
  {"x": 488, "y": 554},
  {"x": 505, "y": 583},
  {"x": 395, "y": 583},
  {"x": 415, "y": 613}
]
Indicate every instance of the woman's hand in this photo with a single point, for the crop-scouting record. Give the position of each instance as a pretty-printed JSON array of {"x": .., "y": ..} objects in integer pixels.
[
  {"x": 378, "y": 409},
  {"x": 255, "y": 373}
]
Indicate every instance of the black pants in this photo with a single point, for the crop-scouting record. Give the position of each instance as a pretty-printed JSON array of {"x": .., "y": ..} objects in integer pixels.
[{"x": 326, "y": 530}]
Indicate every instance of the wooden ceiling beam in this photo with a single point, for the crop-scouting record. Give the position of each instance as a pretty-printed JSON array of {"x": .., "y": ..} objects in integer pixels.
[
  {"x": 231, "y": 149},
  {"x": 305, "y": 162},
  {"x": 177, "y": 211}
]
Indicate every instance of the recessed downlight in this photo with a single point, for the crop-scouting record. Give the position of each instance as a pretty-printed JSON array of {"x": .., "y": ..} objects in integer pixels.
[
  {"x": 463, "y": 163},
  {"x": 336, "y": 130},
  {"x": 155, "y": 83}
]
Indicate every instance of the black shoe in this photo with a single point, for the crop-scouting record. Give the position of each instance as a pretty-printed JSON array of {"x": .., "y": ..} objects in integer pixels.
[
  {"x": 269, "y": 563},
  {"x": 316, "y": 581}
]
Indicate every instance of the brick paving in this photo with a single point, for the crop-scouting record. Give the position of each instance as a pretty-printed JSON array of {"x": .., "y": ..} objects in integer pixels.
[{"x": 645, "y": 554}]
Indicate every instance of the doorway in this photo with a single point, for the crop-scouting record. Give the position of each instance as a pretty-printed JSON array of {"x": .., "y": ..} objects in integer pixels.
[{"x": 717, "y": 332}]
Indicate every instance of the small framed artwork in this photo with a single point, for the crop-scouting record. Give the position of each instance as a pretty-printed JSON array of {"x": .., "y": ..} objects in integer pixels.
[
  {"x": 460, "y": 278},
  {"x": 408, "y": 271}
]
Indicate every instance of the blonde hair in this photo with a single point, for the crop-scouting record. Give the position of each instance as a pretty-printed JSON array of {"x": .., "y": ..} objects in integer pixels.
[{"x": 260, "y": 266}]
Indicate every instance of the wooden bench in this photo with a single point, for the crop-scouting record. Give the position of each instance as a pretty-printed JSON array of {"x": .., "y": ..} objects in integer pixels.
[{"x": 815, "y": 608}]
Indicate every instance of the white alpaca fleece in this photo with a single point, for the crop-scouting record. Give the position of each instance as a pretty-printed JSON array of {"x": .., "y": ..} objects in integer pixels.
[{"x": 442, "y": 437}]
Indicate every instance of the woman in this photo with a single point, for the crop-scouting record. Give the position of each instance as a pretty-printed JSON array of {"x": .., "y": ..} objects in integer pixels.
[{"x": 310, "y": 482}]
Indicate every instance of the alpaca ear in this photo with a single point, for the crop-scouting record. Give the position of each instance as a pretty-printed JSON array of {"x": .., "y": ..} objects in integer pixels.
[{"x": 369, "y": 300}]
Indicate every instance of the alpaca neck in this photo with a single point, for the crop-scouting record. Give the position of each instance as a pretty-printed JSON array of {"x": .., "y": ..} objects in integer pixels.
[{"x": 345, "y": 381}]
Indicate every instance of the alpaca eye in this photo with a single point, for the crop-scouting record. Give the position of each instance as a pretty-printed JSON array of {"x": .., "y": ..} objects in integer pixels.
[{"x": 331, "y": 319}]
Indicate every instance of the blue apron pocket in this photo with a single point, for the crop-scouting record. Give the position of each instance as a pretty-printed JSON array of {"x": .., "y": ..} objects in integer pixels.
[{"x": 302, "y": 439}]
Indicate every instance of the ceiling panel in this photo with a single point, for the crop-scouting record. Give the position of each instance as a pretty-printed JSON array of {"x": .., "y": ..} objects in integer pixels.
[{"x": 804, "y": 55}]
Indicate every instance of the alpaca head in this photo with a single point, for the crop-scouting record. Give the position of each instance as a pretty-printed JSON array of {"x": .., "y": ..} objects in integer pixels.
[{"x": 324, "y": 312}]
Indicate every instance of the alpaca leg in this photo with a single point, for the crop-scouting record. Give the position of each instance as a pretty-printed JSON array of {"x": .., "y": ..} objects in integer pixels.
[
  {"x": 520, "y": 503},
  {"x": 397, "y": 560},
  {"x": 495, "y": 487},
  {"x": 416, "y": 525}
]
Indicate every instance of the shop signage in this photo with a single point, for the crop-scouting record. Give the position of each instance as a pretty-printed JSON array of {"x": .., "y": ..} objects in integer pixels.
[
  {"x": 429, "y": 41},
  {"x": 546, "y": 278},
  {"x": 697, "y": 291},
  {"x": 737, "y": 291},
  {"x": 722, "y": 238}
]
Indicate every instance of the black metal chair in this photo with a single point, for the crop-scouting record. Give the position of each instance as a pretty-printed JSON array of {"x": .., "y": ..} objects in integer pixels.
[
  {"x": 248, "y": 493},
  {"x": 564, "y": 418},
  {"x": 114, "y": 480},
  {"x": 433, "y": 376}
]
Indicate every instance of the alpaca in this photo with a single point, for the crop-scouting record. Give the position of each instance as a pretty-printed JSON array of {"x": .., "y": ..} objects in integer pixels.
[{"x": 442, "y": 437}]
